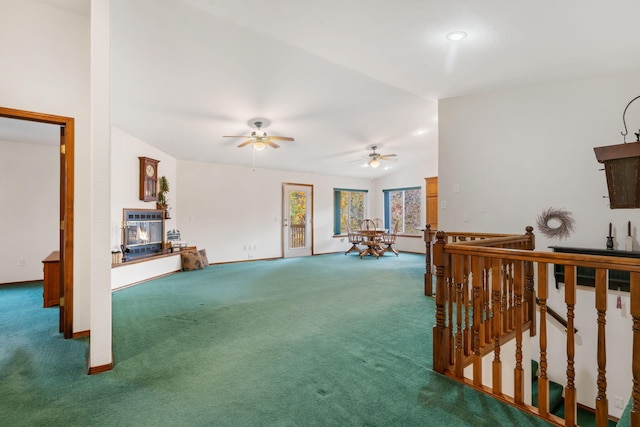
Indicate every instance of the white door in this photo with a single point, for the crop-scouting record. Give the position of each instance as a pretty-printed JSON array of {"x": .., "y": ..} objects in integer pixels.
[{"x": 297, "y": 213}]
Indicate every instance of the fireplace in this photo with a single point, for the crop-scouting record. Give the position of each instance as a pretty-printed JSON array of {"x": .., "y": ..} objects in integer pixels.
[{"x": 142, "y": 232}]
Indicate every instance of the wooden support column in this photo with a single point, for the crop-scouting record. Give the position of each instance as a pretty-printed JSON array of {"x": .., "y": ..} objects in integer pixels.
[
  {"x": 440, "y": 330},
  {"x": 635, "y": 367},
  {"x": 477, "y": 328},
  {"x": 496, "y": 274},
  {"x": 466, "y": 295},
  {"x": 428, "y": 277},
  {"x": 518, "y": 374},
  {"x": 488, "y": 308},
  {"x": 602, "y": 404},
  {"x": 543, "y": 381},
  {"x": 529, "y": 290},
  {"x": 570, "y": 402},
  {"x": 458, "y": 263}
]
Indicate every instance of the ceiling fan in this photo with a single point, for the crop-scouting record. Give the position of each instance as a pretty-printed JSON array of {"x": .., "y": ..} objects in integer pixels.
[
  {"x": 374, "y": 158},
  {"x": 260, "y": 139}
]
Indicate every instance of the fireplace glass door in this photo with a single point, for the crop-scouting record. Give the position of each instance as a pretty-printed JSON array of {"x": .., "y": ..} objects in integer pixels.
[{"x": 143, "y": 232}]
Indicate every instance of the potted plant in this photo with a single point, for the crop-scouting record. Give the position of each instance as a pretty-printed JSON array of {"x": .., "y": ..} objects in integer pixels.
[{"x": 163, "y": 189}]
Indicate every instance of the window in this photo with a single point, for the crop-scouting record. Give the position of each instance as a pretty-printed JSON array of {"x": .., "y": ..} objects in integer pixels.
[
  {"x": 349, "y": 207},
  {"x": 402, "y": 206}
]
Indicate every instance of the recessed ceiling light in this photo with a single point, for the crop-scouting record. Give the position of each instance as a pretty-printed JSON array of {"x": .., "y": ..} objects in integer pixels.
[{"x": 456, "y": 35}]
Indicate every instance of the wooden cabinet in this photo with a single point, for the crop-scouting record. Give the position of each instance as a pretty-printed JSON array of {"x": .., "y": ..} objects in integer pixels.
[
  {"x": 432, "y": 202},
  {"x": 51, "y": 267}
]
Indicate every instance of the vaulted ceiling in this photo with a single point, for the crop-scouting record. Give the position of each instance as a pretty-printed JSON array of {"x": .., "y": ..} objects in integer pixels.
[{"x": 340, "y": 75}]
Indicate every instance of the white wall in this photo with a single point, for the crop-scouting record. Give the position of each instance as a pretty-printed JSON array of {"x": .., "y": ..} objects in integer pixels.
[
  {"x": 125, "y": 166},
  {"x": 223, "y": 208},
  {"x": 29, "y": 176},
  {"x": 45, "y": 68},
  {"x": 517, "y": 152},
  {"x": 411, "y": 175}
]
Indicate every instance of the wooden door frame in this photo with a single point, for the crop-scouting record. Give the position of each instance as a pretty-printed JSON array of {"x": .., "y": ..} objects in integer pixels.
[{"x": 67, "y": 132}]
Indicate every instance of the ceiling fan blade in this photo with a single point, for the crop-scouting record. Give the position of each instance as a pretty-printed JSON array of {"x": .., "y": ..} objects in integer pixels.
[
  {"x": 281, "y": 138},
  {"x": 386, "y": 156},
  {"x": 270, "y": 143},
  {"x": 244, "y": 144},
  {"x": 235, "y": 136}
]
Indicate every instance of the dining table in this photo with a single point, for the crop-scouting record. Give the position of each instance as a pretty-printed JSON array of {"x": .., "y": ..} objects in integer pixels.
[{"x": 372, "y": 240}]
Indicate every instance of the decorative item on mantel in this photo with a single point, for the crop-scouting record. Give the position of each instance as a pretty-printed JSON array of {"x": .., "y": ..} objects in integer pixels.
[
  {"x": 610, "y": 239},
  {"x": 622, "y": 169},
  {"x": 174, "y": 241},
  {"x": 163, "y": 189},
  {"x": 124, "y": 250},
  {"x": 116, "y": 256},
  {"x": 628, "y": 244}
]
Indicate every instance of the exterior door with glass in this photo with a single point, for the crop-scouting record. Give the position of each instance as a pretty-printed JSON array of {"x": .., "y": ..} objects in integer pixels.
[{"x": 297, "y": 220}]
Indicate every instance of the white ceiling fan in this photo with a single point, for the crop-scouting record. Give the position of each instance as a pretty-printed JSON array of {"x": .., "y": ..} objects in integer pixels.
[
  {"x": 260, "y": 139},
  {"x": 374, "y": 158}
]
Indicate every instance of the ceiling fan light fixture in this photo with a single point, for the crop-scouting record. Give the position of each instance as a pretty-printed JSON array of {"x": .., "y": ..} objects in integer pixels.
[
  {"x": 454, "y": 36},
  {"x": 259, "y": 139},
  {"x": 374, "y": 163}
]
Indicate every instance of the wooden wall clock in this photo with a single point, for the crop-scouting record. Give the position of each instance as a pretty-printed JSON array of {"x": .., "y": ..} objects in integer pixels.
[{"x": 148, "y": 179}]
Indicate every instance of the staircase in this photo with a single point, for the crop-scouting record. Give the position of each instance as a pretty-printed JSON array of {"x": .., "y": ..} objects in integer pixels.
[{"x": 586, "y": 418}]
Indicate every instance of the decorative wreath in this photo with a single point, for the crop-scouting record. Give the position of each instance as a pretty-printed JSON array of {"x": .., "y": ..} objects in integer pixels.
[{"x": 563, "y": 230}]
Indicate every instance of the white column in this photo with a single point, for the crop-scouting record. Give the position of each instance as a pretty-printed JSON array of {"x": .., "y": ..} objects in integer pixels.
[{"x": 100, "y": 354}]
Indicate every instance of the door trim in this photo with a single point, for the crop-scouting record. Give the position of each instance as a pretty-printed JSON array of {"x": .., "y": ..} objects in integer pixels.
[
  {"x": 283, "y": 234},
  {"x": 67, "y": 133}
]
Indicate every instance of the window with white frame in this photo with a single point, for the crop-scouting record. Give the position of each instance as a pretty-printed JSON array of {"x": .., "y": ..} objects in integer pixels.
[
  {"x": 402, "y": 206},
  {"x": 349, "y": 207}
]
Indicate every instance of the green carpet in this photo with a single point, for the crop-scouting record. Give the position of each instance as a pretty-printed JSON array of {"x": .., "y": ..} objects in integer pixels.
[{"x": 329, "y": 340}]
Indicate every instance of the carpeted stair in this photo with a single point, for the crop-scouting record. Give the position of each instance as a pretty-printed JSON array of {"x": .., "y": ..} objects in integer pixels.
[{"x": 556, "y": 400}]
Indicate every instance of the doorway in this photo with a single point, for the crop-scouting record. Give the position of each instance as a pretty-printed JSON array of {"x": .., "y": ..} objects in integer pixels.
[
  {"x": 67, "y": 131},
  {"x": 297, "y": 220}
]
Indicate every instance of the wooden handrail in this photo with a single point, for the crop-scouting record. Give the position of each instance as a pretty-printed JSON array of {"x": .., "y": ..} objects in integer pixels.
[
  {"x": 485, "y": 296},
  {"x": 557, "y": 316},
  {"x": 582, "y": 260},
  {"x": 493, "y": 241},
  {"x": 462, "y": 237}
]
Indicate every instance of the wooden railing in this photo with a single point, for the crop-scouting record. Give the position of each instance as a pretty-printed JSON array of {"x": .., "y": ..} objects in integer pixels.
[
  {"x": 557, "y": 316},
  {"x": 452, "y": 237},
  {"x": 297, "y": 236},
  {"x": 485, "y": 298}
]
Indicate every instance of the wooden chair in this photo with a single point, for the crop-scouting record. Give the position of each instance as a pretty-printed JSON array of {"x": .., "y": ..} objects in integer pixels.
[
  {"x": 355, "y": 238},
  {"x": 368, "y": 225},
  {"x": 369, "y": 233},
  {"x": 389, "y": 239}
]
